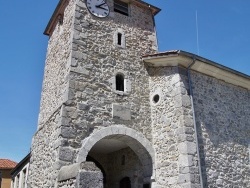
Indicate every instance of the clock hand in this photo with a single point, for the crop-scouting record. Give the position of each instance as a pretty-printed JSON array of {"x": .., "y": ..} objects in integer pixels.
[
  {"x": 99, "y": 6},
  {"x": 102, "y": 8}
]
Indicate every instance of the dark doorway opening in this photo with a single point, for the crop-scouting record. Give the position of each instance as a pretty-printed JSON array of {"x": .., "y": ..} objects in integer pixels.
[{"x": 125, "y": 183}]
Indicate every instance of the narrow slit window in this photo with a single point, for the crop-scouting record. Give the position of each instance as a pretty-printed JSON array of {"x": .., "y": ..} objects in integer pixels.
[
  {"x": 119, "y": 79},
  {"x": 123, "y": 160},
  {"x": 119, "y": 39}
]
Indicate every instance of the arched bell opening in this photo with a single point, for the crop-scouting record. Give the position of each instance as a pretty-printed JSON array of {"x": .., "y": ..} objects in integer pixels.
[{"x": 122, "y": 158}]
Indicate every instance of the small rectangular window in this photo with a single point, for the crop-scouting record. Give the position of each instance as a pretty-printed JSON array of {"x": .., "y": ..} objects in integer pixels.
[
  {"x": 121, "y": 7},
  {"x": 119, "y": 39},
  {"x": 119, "y": 79}
]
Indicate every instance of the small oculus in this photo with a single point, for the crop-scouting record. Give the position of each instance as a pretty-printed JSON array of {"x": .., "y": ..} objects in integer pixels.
[{"x": 98, "y": 8}]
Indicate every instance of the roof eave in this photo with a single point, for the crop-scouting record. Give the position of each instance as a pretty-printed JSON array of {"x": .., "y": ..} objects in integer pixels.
[
  {"x": 6, "y": 168},
  {"x": 54, "y": 18},
  {"x": 155, "y": 10},
  {"x": 212, "y": 63},
  {"x": 202, "y": 65},
  {"x": 24, "y": 161}
]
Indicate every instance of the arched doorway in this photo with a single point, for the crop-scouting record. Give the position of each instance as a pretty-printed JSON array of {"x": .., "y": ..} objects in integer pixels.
[{"x": 121, "y": 152}]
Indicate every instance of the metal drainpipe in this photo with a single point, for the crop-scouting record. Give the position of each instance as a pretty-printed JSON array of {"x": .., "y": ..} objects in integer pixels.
[{"x": 194, "y": 119}]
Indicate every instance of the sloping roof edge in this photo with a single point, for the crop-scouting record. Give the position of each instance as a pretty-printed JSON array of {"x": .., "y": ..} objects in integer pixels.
[
  {"x": 20, "y": 165},
  {"x": 203, "y": 65},
  {"x": 54, "y": 18},
  {"x": 155, "y": 10}
]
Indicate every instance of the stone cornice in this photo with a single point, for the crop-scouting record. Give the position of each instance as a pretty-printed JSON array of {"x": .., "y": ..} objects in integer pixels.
[{"x": 202, "y": 65}]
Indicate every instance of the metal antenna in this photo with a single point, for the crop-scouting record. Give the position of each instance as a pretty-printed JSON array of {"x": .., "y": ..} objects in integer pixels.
[{"x": 197, "y": 34}]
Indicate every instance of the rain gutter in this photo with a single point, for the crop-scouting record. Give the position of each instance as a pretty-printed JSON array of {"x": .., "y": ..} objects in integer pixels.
[{"x": 194, "y": 119}]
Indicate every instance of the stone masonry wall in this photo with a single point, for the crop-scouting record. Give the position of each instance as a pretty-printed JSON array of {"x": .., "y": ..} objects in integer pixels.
[
  {"x": 173, "y": 129},
  {"x": 57, "y": 66},
  {"x": 44, "y": 154},
  {"x": 95, "y": 61},
  {"x": 223, "y": 120}
]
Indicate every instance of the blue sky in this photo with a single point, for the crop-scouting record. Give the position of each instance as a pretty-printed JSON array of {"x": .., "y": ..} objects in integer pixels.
[{"x": 224, "y": 37}]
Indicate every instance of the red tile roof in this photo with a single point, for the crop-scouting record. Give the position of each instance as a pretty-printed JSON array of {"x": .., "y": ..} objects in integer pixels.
[{"x": 7, "y": 164}]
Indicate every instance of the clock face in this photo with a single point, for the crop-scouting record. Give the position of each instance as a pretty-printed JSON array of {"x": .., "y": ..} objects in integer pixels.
[{"x": 98, "y": 8}]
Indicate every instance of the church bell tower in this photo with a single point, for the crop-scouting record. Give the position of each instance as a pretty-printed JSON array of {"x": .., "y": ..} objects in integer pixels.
[{"x": 94, "y": 127}]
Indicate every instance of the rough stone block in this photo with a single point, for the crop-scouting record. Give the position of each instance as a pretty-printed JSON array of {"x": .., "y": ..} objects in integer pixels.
[
  {"x": 83, "y": 106},
  {"x": 78, "y": 55},
  {"x": 184, "y": 170},
  {"x": 186, "y": 101},
  {"x": 90, "y": 180},
  {"x": 188, "y": 185},
  {"x": 68, "y": 132},
  {"x": 185, "y": 160},
  {"x": 80, "y": 70},
  {"x": 121, "y": 112},
  {"x": 58, "y": 164},
  {"x": 64, "y": 121},
  {"x": 90, "y": 176},
  {"x": 66, "y": 154},
  {"x": 68, "y": 172},
  {"x": 187, "y": 148},
  {"x": 81, "y": 4},
  {"x": 184, "y": 178},
  {"x": 74, "y": 63},
  {"x": 172, "y": 180}
]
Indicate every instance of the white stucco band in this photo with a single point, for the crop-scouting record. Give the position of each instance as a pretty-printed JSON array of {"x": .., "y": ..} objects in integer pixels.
[{"x": 135, "y": 140}]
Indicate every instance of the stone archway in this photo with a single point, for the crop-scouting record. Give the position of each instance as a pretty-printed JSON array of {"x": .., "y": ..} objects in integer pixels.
[{"x": 120, "y": 137}]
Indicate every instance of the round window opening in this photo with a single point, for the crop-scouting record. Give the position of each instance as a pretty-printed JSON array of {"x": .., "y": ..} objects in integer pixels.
[{"x": 156, "y": 98}]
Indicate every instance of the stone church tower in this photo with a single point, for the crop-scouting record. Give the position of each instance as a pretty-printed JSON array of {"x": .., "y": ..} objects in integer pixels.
[
  {"x": 94, "y": 103},
  {"x": 112, "y": 116}
]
